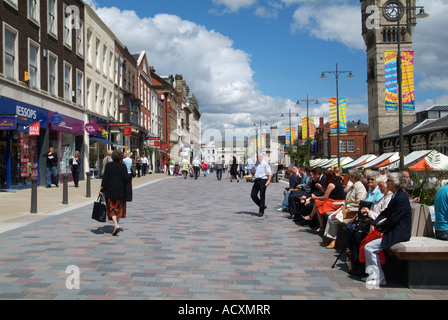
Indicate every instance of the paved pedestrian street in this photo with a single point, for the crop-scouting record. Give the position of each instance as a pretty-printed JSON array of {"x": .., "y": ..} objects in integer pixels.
[{"x": 182, "y": 239}]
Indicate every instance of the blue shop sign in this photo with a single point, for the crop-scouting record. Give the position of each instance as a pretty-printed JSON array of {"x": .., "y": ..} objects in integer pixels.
[{"x": 25, "y": 114}]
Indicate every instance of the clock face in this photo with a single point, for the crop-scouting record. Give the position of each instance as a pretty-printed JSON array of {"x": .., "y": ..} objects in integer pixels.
[{"x": 393, "y": 10}]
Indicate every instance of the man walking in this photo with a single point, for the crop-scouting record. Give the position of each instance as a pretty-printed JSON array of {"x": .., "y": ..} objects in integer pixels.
[
  {"x": 52, "y": 163},
  {"x": 262, "y": 175}
]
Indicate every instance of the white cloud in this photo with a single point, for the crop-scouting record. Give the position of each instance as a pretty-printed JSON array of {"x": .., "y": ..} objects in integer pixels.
[{"x": 336, "y": 22}]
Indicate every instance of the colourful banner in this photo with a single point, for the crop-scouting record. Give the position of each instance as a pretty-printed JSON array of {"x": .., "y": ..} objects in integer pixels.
[
  {"x": 342, "y": 115},
  {"x": 391, "y": 81},
  {"x": 34, "y": 129},
  {"x": 305, "y": 128},
  {"x": 293, "y": 135}
]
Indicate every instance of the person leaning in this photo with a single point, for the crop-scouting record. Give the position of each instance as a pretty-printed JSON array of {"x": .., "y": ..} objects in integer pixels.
[
  {"x": 114, "y": 186},
  {"x": 51, "y": 167},
  {"x": 129, "y": 163},
  {"x": 75, "y": 165}
]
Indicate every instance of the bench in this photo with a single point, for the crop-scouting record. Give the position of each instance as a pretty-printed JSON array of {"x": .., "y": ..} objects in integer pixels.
[{"x": 421, "y": 262}]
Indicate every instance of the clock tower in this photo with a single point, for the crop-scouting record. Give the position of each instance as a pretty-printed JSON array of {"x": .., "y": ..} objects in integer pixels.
[{"x": 380, "y": 33}]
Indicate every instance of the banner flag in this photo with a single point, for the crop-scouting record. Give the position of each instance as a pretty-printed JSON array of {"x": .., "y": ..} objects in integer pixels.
[
  {"x": 34, "y": 129},
  {"x": 391, "y": 81},
  {"x": 342, "y": 115}
]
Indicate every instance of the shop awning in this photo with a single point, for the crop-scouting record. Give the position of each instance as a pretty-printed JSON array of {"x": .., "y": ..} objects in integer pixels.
[{"x": 105, "y": 141}]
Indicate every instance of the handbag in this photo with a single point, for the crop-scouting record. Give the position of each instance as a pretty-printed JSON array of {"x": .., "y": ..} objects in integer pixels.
[
  {"x": 337, "y": 215},
  {"x": 99, "y": 209},
  {"x": 370, "y": 237}
]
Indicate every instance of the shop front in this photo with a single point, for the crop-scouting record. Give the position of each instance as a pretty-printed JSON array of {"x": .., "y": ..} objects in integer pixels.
[
  {"x": 66, "y": 135},
  {"x": 98, "y": 144},
  {"x": 20, "y": 147}
]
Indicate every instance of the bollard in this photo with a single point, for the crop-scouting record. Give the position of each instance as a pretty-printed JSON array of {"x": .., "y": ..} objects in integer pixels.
[
  {"x": 88, "y": 191},
  {"x": 33, "y": 195},
  {"x": 65, "y": 188}
]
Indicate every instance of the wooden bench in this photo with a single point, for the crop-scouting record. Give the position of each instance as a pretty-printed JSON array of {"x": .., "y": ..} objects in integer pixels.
[{"x": 421, "y": 262}]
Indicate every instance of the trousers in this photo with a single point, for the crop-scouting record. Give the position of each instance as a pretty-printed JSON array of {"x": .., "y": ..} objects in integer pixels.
[{"x": 259, "y": 187}]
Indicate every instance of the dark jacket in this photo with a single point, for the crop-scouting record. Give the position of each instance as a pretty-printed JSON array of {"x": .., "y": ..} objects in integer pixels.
[
  {"x": 52, "y": 160},
  {"x": 114, "y": 181},
  {"x": 397, "y": 226}
]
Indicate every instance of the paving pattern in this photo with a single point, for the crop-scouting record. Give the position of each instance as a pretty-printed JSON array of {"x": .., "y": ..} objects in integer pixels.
[{"x": 183, "y": 239}]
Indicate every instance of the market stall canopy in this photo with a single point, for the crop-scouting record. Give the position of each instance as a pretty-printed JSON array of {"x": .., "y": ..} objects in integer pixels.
[
  {"x": 360, "y": 161},
  {"x": 410, "y": 159},
  {"x": 334, "y": 162},
  {"x": 383, "y": 160},
  {"x": 434, "y": 161}
]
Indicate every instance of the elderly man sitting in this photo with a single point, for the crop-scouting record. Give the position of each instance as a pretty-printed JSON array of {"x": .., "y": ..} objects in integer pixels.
[{"x": 294, "y": 181}]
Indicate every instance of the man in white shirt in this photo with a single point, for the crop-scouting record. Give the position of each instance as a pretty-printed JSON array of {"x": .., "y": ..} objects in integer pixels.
[{"x": 261, "y": 175}]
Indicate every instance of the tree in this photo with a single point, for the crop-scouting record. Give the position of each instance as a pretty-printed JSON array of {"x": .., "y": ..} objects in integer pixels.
[{"x": 300, "y": 155}]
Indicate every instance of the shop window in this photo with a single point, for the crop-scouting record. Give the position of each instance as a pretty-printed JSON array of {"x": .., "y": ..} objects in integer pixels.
[{"x": 24, "y": 158}]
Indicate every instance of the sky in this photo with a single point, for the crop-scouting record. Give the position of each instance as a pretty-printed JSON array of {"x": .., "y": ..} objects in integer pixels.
[{"x": 249, "y": 61}]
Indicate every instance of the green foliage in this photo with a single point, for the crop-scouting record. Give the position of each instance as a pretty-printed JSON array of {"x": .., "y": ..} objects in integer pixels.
[
  {"x": 426, "y": 184},
  {"x": 300, "y": 155}
]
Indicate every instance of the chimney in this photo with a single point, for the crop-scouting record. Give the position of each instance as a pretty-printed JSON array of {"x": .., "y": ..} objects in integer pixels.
[{"x": 321, "y": 122}]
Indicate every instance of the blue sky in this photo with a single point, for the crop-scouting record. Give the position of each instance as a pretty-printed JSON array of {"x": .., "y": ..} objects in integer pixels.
[{"x": 251, "y": 60}]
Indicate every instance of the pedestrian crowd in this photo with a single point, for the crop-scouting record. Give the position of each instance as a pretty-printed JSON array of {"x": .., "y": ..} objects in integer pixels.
[{"x": 373, "y": 205}]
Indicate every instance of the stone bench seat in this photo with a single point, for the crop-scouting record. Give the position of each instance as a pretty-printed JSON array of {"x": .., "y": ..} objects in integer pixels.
[{"x": 421, "y": 248}]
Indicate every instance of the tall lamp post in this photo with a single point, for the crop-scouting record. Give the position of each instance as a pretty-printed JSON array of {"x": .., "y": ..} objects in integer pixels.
[
  {"x": 308, "y": 100},
  {"x": 394, "y": 11},
  {"x": 290, "y": 131},
  {"x": 337, "y": 73}
]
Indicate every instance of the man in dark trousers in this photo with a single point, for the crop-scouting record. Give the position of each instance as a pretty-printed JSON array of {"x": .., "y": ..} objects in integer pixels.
[
  {"x": 52, "y": 163},
  {"x": 261, "y": 175}
]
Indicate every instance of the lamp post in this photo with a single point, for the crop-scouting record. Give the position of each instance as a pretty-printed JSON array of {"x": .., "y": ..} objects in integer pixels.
[
  {"x": 395, "y": 11},
  {"x": 290, "y": 131},
  {"x": 308, "y": 100},
  {"x": 337, "y": 73}
]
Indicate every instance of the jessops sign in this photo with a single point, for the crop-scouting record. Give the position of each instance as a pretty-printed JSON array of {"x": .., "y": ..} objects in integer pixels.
[{"x": 24, "y": 113}]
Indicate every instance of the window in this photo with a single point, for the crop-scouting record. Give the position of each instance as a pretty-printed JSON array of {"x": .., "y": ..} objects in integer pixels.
[
  {"x": 97, "y": 54},
  {"x": 67, "y": 28},
  {"x": 34, "y": 64},
  {"x": 79, "y": 88},
  {"x": 67, "y": 81},
  {"x": 104, "y": 59},
  {"x": 111, "y": 64},
  {"x": 80, "y": 40},
  {"x": 53, "y": 18},
  {"x": 342, "y": 146},
  {"x": 13, "y": 3},
  {"x": 97, "y": 98},
  {"x": 351, "y": 145},
  {"x": 52, "y": 74},
  {"x": 89, "y": 94},
  {"x": 116, "y": 68},
  {"x": 33, "y": 10},
  {"x": 89, "y": 47},
  {"x": 11, "y": 52}
]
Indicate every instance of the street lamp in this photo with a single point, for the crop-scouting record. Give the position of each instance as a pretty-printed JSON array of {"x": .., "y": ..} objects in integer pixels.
[
  {"x": 337, "y": 73},
  {"x": 394, "y": 11},
  {"x": 308, "y": 100},
  {"x": 290, "y": 131}
]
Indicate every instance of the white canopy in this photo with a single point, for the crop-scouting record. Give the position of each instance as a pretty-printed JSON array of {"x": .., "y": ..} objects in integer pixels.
[{"x": 360, "y": 161}]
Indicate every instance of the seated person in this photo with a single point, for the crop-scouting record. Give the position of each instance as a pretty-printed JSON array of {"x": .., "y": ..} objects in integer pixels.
[
  {"x": 355, "y": 195},
  {"x": 334, "y": 192},
  {"x": 359, "y": 228},
  {"x": 373, "y": 193},
  {"x": 294, "y": 181},
  {"x": 300, "y": 202},
  {"x": 441, "y": 210},
  {"x": 394, "y": 223}
]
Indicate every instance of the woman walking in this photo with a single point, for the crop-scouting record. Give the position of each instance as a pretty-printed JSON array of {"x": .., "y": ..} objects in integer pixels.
[
  {"x": 234, "y": 170},
  {"x": 113, "y": 186}
]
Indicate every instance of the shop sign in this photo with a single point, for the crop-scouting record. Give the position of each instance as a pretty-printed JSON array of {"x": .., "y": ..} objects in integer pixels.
[
  {"x": 91, "y": 128},
  {"x": 35, "y": 129},
  {"x": 25, "y": 114},
  {"x": 56, "y": 118},
  {"x": 8, "y": 124},
  {"x": 123, "y": 108},
  {"x": 119, "y": 124},
  {"x": 127, "y": 131}
]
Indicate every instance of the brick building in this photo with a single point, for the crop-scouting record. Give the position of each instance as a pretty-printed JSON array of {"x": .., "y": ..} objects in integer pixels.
[{"x": 353, "y": 144}]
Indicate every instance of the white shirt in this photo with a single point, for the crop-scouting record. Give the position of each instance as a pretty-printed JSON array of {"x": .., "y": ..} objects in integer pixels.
[
  {"x": 262, "y": 170},
  {"x": 380, "y": 205}
]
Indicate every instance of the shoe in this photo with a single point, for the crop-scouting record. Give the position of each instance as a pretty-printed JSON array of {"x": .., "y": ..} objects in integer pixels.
[
  {"x": 116, "y": 230},
  {"x": 331, "y": 245},
  {"x": 48, "y": 186},
  {"x": 375, "y": 283},
  {"x": 280, "y": 209},
  {"x": 57, "y": 186}
]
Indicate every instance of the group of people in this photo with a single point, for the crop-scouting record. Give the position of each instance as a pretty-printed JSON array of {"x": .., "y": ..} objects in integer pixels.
[{"x": 375, "y": 206}]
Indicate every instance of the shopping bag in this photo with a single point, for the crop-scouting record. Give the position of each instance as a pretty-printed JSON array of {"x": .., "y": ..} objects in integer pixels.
[
  {"x": 370, "y": 237},
  {"x": 99, "y": 209}
]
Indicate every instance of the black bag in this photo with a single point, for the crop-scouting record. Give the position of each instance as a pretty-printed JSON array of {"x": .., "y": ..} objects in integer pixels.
[{"x": 99, "y": 210}]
